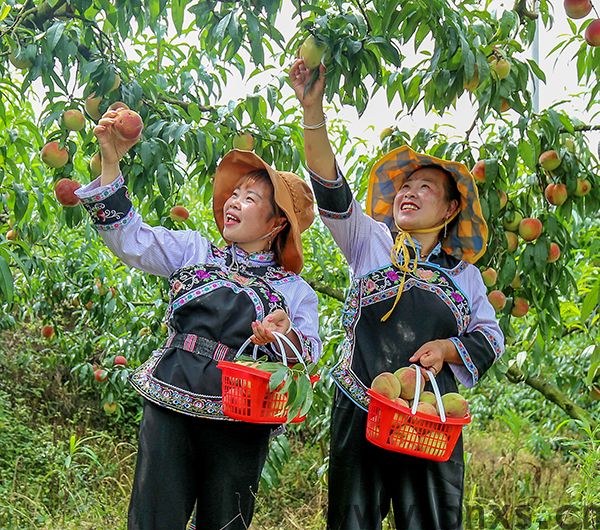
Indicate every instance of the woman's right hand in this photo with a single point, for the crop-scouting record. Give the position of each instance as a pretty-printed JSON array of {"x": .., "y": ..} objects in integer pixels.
[
  {"x": 112, "y": 146},
  {"x": 300, "y": 77}
]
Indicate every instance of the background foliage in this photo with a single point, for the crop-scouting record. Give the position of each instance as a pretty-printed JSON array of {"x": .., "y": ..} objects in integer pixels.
[{"x": 176, "y": 61}]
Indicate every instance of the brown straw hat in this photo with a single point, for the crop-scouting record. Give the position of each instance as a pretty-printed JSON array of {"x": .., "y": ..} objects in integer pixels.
[{"x": 292, "y": 195}]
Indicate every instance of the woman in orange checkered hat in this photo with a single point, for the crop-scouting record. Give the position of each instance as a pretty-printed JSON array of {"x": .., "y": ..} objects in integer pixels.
[{"x": 415, "y": 298}]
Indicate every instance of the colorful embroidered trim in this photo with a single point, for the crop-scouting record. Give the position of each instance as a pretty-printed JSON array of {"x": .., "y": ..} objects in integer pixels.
[
  {"x": 171, "y": 397},
  {"x": 342, "y": 373},
  {"x": 493, "y": 342},
  {"x": 457, "y": 270},
  {"x": 110, "y": 189},
  {"x": 466, "y": 358},
  {"x": 383, "y": 284},
  {"x": 326, "y": 183},
  {"x": 120, "y": 223},
  {"x": 337, "y": 215},
  {"x": 207, "y": 288}
]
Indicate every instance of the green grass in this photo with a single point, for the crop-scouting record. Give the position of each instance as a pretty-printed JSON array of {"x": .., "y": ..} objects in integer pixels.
[{"x": 65, "y": 465}]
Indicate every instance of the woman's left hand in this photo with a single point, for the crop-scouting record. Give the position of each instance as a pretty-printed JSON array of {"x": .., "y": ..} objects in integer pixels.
[
  {"x": 278, "y": 321},
  {"x": 431, "y": 356}
]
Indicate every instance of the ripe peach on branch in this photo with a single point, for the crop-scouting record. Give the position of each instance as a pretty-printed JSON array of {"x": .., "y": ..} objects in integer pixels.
[
  {"x": 54, "y": 156},
  {"x": 592, "y": 33},
  {"x": 73, "y": 120},
  {"x": 312, "y": 52},
  {"x": 92, "y": 107},
  {"x": 179, "y": 213},
  {"x": 577, "y": 8},
  {"x": 64, "y": 190},
  {"x": 530, "y": 228},
  {"x": 556, "y": 194},
  {"x": 243, "y": 141},
  {"x": 549, "y": 160}
]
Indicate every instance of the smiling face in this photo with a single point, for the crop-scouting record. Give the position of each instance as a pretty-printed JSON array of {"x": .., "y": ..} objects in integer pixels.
[
  {"x": 423, "y": 202},
  {"x": 249, "y": 215}
]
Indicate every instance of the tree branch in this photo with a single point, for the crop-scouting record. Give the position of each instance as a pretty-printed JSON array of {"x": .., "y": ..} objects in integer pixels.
[
  {"x": 325, "y": 289},
  {"x": 550, "y": 392},
  {"x": 523, "y": 11},
  {"x": 362, "y": 10},
  {"x": 580, "y": 128},
  {"x": 470, "y": 129},
  {"x": 184, "y": 104}
]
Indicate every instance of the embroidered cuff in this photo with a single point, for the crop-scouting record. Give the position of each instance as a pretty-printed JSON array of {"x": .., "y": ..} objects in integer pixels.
[
  {"x": 109, "y": 206},
  {"x": 467, "y": 361},
  {"x": 336, "y": 215},
  {"x": 337, "y": 183},
  {"x": 492, "y": 341},
  {"x": 334, "y": 197}
]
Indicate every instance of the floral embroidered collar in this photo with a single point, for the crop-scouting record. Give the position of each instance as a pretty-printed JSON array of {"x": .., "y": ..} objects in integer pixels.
[{"x": 257, "y": 259}]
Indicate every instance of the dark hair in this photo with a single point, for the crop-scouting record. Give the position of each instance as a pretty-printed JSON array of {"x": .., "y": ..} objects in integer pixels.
[{"x": 262, "y": 175}]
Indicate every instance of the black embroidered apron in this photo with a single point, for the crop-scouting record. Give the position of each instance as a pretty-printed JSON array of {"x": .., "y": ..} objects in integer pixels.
[
  {"x": 365, "y": 479},
  {"x": 184, "y": 457}
]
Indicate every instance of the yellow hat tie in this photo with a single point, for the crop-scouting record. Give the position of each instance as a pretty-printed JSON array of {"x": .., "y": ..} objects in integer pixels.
[{"x": 401, "y": 247}]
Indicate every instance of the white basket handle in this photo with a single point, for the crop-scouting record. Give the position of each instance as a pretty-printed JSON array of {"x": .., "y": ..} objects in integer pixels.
[
  {"x": 278, "y": 338},
  {"x": 281, "y": 337},
  {"x": 436, "y": 391},
  {"x": 244, "y": 346}
]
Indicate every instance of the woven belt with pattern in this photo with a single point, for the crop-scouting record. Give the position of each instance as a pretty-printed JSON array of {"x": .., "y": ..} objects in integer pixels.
[{"x": 201, "y": 346}]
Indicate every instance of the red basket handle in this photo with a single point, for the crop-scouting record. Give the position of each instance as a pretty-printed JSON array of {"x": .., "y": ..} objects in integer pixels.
[{"x": 436, "y": 391}]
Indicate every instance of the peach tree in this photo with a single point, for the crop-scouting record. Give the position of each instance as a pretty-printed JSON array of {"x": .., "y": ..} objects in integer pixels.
[{"x": 208, "y": 75}]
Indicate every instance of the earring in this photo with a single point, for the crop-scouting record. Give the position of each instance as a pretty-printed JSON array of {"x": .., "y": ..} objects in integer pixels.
[{"x": 445, "y": 230}]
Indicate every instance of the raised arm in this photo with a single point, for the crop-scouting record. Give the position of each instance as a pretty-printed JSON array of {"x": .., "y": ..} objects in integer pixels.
[
  {"x": 155, "y": 250},
  {"x": 364, "y": 242},
  {"x": 319, "y": 154}
]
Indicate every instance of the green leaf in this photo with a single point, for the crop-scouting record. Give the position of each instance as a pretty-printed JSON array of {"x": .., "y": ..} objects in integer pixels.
[
  {"x": 154, "y": 7},
  {"x": 6, "y": 281},
  {"x": 537, "y": 70},
  {"x": 178, "y": 13},
  {"x": 277, "y": 377},
  {"x": 222, "y": 27},
  {"x": 194, "y": 112},
  {"x": 590, "y": 302},
  {"x": 162, "y": 179},
  {"x": 4, "y": 11},
  {"x": 21, "y": 201},
  {"x": 54, "y": 34}
]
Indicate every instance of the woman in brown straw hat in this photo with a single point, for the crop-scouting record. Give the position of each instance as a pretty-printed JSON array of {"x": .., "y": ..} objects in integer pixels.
[
  {"x": 415, "y": 298},
  {"x": 189, "y": 452}
]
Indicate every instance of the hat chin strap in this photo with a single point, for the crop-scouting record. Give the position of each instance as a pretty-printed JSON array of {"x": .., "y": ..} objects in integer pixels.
[
  {"x": 275, "y": 230},
  {"x": 406, "y": 266}
]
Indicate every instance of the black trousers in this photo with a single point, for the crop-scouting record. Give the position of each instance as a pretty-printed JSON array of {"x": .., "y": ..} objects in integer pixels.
[
  {"x": 364, "y": 479},
  {"x": 184, "y": 461}
]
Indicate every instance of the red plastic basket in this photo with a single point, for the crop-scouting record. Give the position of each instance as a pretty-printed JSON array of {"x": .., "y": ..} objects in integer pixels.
[
  {"x": 397, "y": 428},
  {"x": 246, "y": 394}
]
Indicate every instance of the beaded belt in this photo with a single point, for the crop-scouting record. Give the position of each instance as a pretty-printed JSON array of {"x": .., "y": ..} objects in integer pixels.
[{"x": 200, "y": 345}]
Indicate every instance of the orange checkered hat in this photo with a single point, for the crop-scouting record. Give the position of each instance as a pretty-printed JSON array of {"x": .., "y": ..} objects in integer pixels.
[{"x": 467, "y": 239}]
